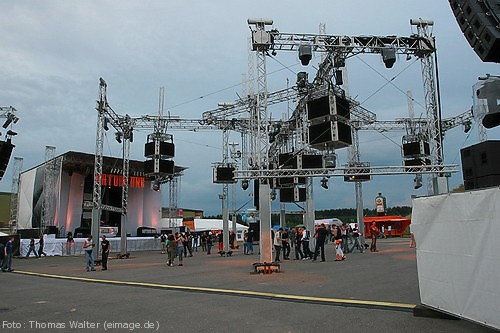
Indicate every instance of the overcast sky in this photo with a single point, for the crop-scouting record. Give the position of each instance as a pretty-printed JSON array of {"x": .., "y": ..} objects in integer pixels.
[{"x": 52, "y": 54}]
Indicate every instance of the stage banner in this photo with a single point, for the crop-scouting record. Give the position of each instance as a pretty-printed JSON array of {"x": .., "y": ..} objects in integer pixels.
[{"x": 458, "y": 253}]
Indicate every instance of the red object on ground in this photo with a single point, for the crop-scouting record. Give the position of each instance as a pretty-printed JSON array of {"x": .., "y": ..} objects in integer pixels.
[{"x": 397, "y": 223}]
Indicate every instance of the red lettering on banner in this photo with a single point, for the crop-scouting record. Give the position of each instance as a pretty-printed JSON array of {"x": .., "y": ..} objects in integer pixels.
[{"x": 117, "y": 180}]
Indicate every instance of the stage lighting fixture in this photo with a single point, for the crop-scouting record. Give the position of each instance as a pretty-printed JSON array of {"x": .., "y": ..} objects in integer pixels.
[
  {"x": 305, "y": 54},
  {"x": 272, "y": 195},
  {"x": 244, "y": 184},
  {"x": 467, "y": 126},
  {"x": 11, "y": 133},
  {"x": 389, "y": 56},
  {"x": 118, "y": 137},
  {"x": 324, "y": 183},
  {"x": 156, "y": 185},
  {"x": 418, "y": 181},
  {"x": 7, "y": 122},
  {"x": 105, "y": 124}
]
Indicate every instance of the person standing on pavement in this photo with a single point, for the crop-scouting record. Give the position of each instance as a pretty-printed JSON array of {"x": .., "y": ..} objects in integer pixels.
[
  {"x": 285, "y": 242},
  {"x": 163, "y": 242},
  {"x": 171, "y": 250},
  {"x": 277, "y": 242},
  {"x": 31, "y": 248},
  {"x": 374, "y": 232},
  {"x": 88, "y": 246},
  {"x": 320, "y": 235},
  {"x": 104, "y": 252},
  {"x": 180, "y": 246},
  {"x": 305, "y": 243},
  {"x": 41, "y": 243},
  {"x": 337, "y": 234},
  {"x": 210, "y": 242},
  {"x": 8, "y": 253}
]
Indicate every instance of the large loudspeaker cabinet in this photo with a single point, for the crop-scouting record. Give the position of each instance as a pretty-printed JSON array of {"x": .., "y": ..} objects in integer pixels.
[
  {"x": 224, "y": 175},
  {"x": 293, "y": 194},
  {"x": 481, "y": 165},
  {"x": 333, "y": 134},
  {"x": 167, "y": 149},
  {"x": 480, "y": 23},
  {"x": 164, "y": 167},
  {"x": 5, "y": 152}
]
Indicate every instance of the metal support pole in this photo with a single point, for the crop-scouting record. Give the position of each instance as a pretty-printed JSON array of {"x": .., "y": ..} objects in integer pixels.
[
  {"x": 266, "y": 250},
  {"x": 359, "y": 212}
]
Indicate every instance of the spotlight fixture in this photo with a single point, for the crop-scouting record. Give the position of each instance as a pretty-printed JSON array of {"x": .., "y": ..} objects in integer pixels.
[
  {"x": 418, "y": 181},
  {"x": 305, "y": 54},
  {"x": 467, "y": 126},
  {"x": 324, "y": 183},
  {"x": 105, "y": 124},
  {"x": 389, "y": 56},
  {"x": 156, "y": 185},
  {"x": 244, "y": 184},
  {"x": 118, "y": 137},
  {"x": 272, "y": 195}
]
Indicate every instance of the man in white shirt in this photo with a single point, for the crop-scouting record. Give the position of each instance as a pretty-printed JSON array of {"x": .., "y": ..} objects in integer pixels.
[{"x": 277, "y": 242}]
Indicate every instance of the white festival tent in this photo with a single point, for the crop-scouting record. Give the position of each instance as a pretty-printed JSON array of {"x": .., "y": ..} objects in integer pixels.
[{"x": 216, "y": 224}]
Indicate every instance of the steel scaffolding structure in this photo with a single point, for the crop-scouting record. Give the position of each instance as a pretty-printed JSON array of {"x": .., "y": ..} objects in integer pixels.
[{"x": 14, "y": 194}]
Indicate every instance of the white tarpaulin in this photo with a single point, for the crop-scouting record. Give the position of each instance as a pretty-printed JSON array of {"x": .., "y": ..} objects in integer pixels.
[{"x": 458, "y": 253}]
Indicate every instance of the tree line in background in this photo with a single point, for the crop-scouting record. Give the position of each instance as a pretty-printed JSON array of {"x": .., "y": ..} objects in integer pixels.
[{"x": 346, "y": 215}]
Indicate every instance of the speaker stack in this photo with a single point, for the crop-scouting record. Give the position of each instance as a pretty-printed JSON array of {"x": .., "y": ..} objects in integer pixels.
[
  {"x": 480, "y": 24},
  {"x": 329, "y": 116},
  {"x": 481, "y": 165},
  {"x": 5, "y": 152}
]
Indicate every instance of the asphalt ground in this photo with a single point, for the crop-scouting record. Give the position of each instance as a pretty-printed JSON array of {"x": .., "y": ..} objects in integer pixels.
[{"x": 370, "y": 292}]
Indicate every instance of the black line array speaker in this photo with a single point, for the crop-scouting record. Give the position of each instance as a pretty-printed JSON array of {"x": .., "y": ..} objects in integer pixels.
[
  {"x": 5, "y": 152},
  {"x": 167, "y": 149},
  {"x": 480, "y": 23},
  {"x": 224, "y": 175},
  {"x": 163, "y": 167},
  {"x": 292, "y": 194},
  {"x": 416, "y": 149},
  {"x": 321, "y": 107},
  {"x": 481, "y": 165},
  {"x": 333, "y": 134},
  {"x": 416, "y": 162}
]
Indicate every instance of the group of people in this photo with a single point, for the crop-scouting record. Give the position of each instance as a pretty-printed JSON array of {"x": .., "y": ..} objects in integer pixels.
[
  {"x": 31, "y": 247},
  {"x": 6, "y": 253},
  {"x": 179, "y": 245},
  {"x": 88, "y": 247},
  {"x": 299, "y": 238}
]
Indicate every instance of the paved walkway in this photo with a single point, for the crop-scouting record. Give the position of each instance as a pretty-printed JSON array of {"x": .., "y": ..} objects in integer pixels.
[{"x": 370, "y": 291}]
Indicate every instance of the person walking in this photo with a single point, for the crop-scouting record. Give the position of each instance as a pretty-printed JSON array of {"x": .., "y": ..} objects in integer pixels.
[
  {"x": 41, "y": 243},
  {"x": 163, "y": 242},
  {"x": 88, "y": 246},
  {"x": 70, "y": 242},
  {"x": 210, "y": 242},
  {"x": 305, "y": 243},
  {"x": 337, "y": 235},
  {"x": 31, "y": 248},
  {"x": 356, "y": 235},
  {"x": 320, "y": 235},
  {"x": 8, "y": 253},
  {"x": 204, "y": 241},
  {"x": 104, "y": 252},
  {"x": 171, "y": 250},
  {"x": 285, "y": 242},
  {"x": 180, "y": 247},
  {"x": 298, "y": 244},
  {"x": 374, "y": 232},
  {"x": 250, "y": 237}
]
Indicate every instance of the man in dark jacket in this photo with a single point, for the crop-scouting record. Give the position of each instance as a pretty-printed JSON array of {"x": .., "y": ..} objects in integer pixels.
[{"x": 320, "y": 236}]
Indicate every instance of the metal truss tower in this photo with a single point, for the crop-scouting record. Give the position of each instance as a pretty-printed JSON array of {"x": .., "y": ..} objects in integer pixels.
[
  {"x": 14, "y": 194},
  {"x": 261, "y": 43},
  {"x": 49, "y": 188}
]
